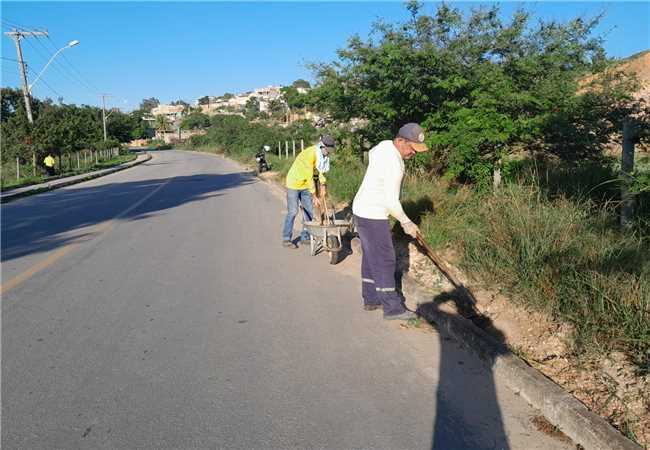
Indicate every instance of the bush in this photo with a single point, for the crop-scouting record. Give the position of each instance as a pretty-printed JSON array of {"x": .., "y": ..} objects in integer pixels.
[
  {"x": 106, "y": 145},
  {"x": 159, "y": 144}
]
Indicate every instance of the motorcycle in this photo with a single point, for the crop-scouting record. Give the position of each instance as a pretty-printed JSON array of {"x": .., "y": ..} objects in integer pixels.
[{"x": 260, "y": 157}]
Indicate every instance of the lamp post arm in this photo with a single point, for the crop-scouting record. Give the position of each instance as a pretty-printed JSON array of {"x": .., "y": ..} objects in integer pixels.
[
  {"x": 71, "y": 44},
  {"x": 46, "y": 65}
]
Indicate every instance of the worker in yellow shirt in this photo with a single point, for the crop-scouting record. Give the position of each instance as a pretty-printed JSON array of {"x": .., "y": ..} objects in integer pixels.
[
  {"x": 301, "y": 187},
  {"x": 49, "y": 164}
]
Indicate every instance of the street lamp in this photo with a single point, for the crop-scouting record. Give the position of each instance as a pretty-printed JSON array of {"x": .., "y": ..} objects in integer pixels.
[{"x": 70, "y": 44}]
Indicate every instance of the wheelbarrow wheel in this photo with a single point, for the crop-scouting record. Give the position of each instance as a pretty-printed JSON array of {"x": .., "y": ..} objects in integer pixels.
[{"x": 333, "y": 247}]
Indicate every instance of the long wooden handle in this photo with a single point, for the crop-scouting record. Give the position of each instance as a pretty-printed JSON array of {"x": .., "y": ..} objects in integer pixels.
[
  {"x": 323, "y": 199},
  {"x": 327, "y": 214},
  {"x": 443, "y": 267}
]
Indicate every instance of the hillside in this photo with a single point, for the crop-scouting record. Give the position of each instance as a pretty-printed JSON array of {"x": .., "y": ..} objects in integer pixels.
[{"x": 639, "y": 65}]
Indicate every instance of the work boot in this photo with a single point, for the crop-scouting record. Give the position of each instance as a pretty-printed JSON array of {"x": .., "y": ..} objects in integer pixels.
[
  {"x": 289, "y": 244},
  {"x": 406, "y": 315},
  {"x": 371, "y": 307}
]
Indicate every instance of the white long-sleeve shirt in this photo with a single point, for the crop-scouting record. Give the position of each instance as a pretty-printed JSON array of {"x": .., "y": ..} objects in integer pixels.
[{"x": 378, "y": 196}]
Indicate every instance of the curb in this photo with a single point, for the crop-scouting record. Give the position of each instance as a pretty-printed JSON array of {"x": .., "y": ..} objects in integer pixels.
[
  {"x": 56, "y": 185},
  {"x": 560, "y": 408}
]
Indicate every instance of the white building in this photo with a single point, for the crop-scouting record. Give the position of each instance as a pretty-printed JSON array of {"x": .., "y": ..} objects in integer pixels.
[{"x": 171, "y": 112}]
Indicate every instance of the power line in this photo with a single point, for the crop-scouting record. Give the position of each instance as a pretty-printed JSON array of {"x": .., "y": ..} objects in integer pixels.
[
  {"x": 29, "y": 69},
  {"x": 14, "y": 24},
  {"x": 91, "y": 87},
  {"x": 55, "y": 63},
  {"x": 69, "y": 70},
  {"x": 10, "y": 59},
  {"x": 46, "y": 54}
]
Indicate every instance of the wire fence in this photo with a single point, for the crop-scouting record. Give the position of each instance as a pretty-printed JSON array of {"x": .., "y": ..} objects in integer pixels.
[
  {"x": 289, "y": 148},
  {"x": 20, "y": 168}
]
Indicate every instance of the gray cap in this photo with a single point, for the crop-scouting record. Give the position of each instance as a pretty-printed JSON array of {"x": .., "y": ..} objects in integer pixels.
[
  {"x": 413, "y": 133},
  {"x": 328, "y": 141}
]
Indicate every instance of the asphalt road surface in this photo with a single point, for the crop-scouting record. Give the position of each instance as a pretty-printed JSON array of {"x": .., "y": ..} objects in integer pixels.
[{"x": 156, "y": 308}]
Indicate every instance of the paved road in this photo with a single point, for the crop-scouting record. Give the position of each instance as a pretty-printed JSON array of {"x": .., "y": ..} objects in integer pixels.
[{"x": 155, "y": 308}]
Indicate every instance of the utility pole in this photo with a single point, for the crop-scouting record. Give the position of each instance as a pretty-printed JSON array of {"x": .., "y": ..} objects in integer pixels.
[
  {"x": 103, "y": 96},
  {"x": 16, "y": 36}
]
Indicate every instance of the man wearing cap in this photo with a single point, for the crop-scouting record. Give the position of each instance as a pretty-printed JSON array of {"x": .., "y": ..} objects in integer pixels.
[
  {"x": 312, "y": 161},
  {"x": 377, "y": 198}
]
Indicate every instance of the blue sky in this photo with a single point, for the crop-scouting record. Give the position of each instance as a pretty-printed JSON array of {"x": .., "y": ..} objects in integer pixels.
[{"x": 172, "y": 50}]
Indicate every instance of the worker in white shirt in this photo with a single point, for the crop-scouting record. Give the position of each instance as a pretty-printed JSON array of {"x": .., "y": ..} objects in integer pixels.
[{"x": 377, "y": 198}]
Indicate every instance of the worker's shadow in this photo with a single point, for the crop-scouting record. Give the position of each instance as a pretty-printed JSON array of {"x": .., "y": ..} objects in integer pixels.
[{"x": 467, "y": 411}]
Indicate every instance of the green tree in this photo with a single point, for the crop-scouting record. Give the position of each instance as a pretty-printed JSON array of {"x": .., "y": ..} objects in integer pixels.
[
  {"x": 195, "y": 120},
  {"x": 148, "y": 104},
  {"x": 10, "y": 101},
  {"x": 141, "y": 128},
  {"x": 482, "y": 86},
  {"x": 293, "y": 98},
  {"x": 182, "y": 103},
  {"x": 277, "y": 108},
  {"x": 300, "y": 83},
  {"x": 252, "y": 108},
  {"x": 161, "y": 123},
  {"x": 120, "y": 126}
]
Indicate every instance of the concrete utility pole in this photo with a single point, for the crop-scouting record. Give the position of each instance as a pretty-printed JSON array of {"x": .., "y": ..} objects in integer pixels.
[
  {"x": 103, "y": 96},
  {"x": 16, "y": 36}
]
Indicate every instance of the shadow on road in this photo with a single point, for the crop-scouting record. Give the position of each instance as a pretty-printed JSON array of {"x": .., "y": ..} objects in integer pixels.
[
  {"x": 468, "y": 415},
  {"x": 45, "y": 222}
]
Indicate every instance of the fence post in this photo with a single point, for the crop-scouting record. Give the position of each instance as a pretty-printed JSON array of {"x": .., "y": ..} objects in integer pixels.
[
  {"x": 279, "y": 150},
  {"x": 286, "y": 149},
  {"x": 627, "y": 167},
  {"x": 293, "y": 144},
  {"x": 96, "y": 157},
  {"x": 302, "y": 144},
  {"x": 17, "y": 168},
  {"x": 34, "y": 163}
]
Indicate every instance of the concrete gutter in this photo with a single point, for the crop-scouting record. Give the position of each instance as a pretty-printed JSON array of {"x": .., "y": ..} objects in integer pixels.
[
  {"x": 7, "y": 196},
  {"x": 558, "y": 406}
]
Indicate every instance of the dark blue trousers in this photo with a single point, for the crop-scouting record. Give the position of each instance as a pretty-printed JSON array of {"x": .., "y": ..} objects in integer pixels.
[{"x": 378, "y": 265}]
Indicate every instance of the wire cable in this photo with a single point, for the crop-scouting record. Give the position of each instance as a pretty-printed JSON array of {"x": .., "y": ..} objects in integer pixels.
[
  {"x": 74, "y": 70},
  {"x": 28, "y": 69},
  {"x": 54, "y": 63},
  {"x": 13, "y": 24}
]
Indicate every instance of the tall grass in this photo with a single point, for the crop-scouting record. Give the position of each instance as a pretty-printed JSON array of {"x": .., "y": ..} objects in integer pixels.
[{"x": 560, "y": 256}]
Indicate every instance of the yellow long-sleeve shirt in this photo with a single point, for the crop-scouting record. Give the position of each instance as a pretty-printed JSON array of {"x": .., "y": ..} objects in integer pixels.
[{"x": 301, "y": 174}]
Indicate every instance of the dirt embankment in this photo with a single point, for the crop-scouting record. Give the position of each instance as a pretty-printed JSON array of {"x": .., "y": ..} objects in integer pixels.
[{"x": 608, "y": 386}]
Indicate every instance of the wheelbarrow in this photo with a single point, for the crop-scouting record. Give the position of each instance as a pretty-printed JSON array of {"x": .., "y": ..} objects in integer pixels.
[
  {"x": 327, "y": 237},
  {"x": 326, "y": 231}
]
